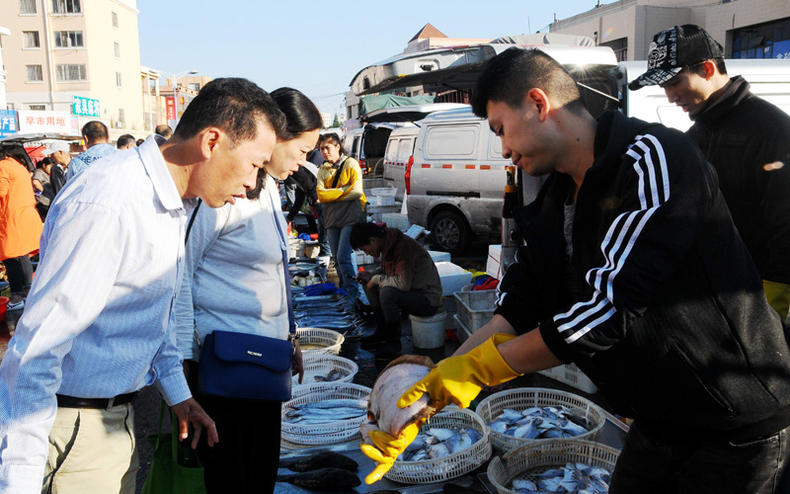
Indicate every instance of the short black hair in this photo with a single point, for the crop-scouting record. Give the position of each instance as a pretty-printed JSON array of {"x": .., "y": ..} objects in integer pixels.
[
  {"x": 95, "y": 131},
  {"x": 331, "y": 136},
  {"x": 46, "y": 161},
  {"x": 125, "y": 140},
  {"x": 140, "y": 141},
  {"x": 163, "y": 130},
  {"x": 233, "y": 104},
  {"x": 301, "y": 114},
  {"x": 720, "y": 66},
  {"x": 361, "y": 233},
  {"x": 510, "y": 75}
]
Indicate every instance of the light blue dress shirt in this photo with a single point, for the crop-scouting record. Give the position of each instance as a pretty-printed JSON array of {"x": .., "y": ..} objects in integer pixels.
[
  {"x": 83, "y": 160},
  {"x": 95, "y": 321}
]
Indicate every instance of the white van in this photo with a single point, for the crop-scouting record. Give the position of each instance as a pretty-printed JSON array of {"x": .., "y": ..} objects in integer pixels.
[{"x": 398, "y": 157}]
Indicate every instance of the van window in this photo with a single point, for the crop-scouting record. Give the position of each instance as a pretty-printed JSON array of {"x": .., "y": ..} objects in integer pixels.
[
  {"x": 405, "y": 150},
  {"x": 451, "y": 141},
  {"x": 494, "y": 146},
  {"x": 392, "y": 150},
  {"x": 355, "y": 146}
]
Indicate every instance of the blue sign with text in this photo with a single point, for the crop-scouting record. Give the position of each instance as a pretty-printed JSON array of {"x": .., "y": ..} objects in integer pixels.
[
  {"x": 85, "y": 107},
  {"x": 9, "y": 123}
]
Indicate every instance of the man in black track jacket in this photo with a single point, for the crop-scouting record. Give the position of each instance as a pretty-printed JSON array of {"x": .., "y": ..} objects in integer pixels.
[
  {"x": 634, "y": 270},
  {"x": 745, "y": 138}
]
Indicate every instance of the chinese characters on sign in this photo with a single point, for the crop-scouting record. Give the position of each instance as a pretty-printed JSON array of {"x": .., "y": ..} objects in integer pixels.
[
  {"x": 85, "y": 107},
  {"x": 33, "y": 121},
  {"x": 8, "y": 123}
]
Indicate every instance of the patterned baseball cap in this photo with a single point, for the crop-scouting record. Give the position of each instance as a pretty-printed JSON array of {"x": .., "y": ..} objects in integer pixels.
[{"x": 674, "y": 49}]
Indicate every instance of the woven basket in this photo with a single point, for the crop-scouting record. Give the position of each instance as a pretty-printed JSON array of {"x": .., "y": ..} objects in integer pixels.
[
  {"x": 547, "y": 453},
  {"x": 451, "y": 466},
  {"x": 321, "y": 364},
  {"x": 334, "y": 432},
  {"x": 325, "y": 341},
  {"x": 523, "y": 398}
]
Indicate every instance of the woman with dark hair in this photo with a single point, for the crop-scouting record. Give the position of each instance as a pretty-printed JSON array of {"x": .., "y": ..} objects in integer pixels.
[
  {"x": 20, "y": 227},
  {"x": 42, "y": 187},
  {"x": 235, "y": 279},
  {"x": 340, "y": 192}
]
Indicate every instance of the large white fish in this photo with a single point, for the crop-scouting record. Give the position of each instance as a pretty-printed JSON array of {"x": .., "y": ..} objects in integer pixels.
[{"x": 393, "y": 381}]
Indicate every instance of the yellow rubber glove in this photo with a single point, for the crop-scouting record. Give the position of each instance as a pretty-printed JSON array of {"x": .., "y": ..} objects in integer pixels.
[
  {"x": 460, "y": 379},
  {"x": 387, "y": 449},
  {"x": 778, "y": 295}
]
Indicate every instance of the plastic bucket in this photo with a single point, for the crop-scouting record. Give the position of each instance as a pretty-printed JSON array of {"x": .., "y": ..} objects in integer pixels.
[{"x": 428, "y": 332}]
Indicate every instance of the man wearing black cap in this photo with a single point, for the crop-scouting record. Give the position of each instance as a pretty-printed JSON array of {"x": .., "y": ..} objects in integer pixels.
[{"x": 744, "y": 137}]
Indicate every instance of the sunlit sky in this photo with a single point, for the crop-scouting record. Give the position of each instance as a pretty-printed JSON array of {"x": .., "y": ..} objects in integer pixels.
[{"x": 318, "y": 47}]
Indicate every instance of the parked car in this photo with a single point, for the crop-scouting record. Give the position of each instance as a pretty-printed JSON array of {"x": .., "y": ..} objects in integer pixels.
[{"x": 398, "y": 159}]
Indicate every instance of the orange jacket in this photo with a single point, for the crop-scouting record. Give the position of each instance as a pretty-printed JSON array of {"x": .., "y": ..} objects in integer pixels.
[{"x": 20, "y": 224}]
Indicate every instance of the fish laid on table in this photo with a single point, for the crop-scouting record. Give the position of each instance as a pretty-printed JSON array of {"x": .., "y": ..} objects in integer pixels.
[
  {"x": 322, "y": 459},
  {"x": 326, "y": 411},
  {"x": 573, "y": 478},
  {"x": 323, "y": 479},
  {"x": 394, "y": 380},
  {"x": 435, "y": 442},
  {"x": 539, "y": 423}
]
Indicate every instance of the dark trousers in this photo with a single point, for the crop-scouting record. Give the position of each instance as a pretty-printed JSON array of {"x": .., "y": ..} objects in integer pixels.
[
  {"x": 650, "y": 464},
  {"x": 246, "y": 457},
  {"x": 389, "y": 303},
  {"x": 323, "y": 242},
  {"x": 20, "y": 274}
]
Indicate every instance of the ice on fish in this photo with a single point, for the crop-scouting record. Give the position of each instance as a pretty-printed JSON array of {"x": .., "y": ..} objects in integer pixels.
[
  {"x": 539, "y": 423},
  {"x": 435, "y": 442},
  {"x": 573, "y": 478}
]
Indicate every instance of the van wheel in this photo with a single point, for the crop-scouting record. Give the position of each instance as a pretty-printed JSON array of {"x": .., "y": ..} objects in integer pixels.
[{"x": 450, "y": 232}]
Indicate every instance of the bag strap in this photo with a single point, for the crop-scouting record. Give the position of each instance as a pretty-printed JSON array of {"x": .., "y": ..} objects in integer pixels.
[
  {"x": 192, "y": 219},
  {"x": 286, "y": 274},
  {"x": 339, "y": 171}
]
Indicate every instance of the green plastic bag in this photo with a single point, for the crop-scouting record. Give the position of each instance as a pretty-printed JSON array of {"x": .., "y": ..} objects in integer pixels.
[{"x": 175, "y": 469}]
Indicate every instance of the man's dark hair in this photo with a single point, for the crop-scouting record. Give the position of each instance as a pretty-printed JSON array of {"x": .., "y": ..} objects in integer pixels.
[
  {"x": 234, "y": 105},
  {"x": 510, "y": 75},
  {"x": 46, "y": 161},
  {"x": 125, "y": 140},
  {"x": 95, "y": 131},
  {"x": 139, "y": 142},
  {"x": 331, "y": 136},
  {"x": 301, "y": 114},
  {"x": 163, "y": 130},
  {"x": 361, "y": 233}
]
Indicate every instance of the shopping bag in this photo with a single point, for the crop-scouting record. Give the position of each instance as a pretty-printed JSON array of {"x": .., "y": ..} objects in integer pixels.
[{"x": 175, "y": 469}]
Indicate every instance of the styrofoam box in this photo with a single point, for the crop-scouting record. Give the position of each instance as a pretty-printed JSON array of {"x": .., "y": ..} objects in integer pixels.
[
  {"x": 453, "y": 277},
  {"x": 396, "y": 220},
  {"x": 439, "y": 256},
  {"x": 494, "y": 262},
  {"x": 381, "y": 200},
  {"x": 376, "y": 212},
  {"x": 572, "y": 376}
]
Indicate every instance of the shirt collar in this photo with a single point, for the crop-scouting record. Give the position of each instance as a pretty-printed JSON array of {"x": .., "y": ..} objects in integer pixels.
[{"x": 155, "y": 166}]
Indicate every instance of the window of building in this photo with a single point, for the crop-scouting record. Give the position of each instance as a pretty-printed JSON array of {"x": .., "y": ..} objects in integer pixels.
[
  {"x": 768, "y": 40},
  {"x": 34, "y": 73},
  {"x": 68, "y": 39},
  {"x": 121, "y": 117},
  {"x": 71, "y": 72},
  {"x": 27, "y": 6},
  {"x": 66, "y": 7},
  {"x": 620, "y": 48},
  {"x": 37, "y": 107},
  {"x": 195, "y": 86},
  {"x": 114, "y": 19},
  {"x": 31, "y": 39},
  {"x": 116, "y": 49},
  {"x": 118, "y": 79}
]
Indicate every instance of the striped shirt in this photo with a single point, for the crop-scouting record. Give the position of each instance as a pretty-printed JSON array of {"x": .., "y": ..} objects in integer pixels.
[{"x": 95, "y": 322}]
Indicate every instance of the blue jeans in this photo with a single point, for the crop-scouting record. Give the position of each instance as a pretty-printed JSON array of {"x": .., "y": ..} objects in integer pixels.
[{"x": 345, "y": 262}]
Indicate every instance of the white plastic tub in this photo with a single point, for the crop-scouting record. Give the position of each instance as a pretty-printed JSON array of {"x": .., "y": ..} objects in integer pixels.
[{"x": 428, "y": 332}]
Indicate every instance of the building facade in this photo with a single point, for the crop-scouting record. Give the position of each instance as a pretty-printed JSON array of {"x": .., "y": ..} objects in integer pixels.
[
  {"x": 746, "y": 28},
  {"x": 75, "y": 57}
]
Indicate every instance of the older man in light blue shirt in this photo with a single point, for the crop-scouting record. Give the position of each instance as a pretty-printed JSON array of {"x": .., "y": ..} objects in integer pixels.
[{"x": 95, "y": 327}]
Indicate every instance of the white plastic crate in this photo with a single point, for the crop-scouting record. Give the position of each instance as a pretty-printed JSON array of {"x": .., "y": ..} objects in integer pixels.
[
  {"x": 572, "y": 376},
  {"x": 461, "y": 330},
  {"x": 438, "y": 256},
  {"x": 475, "y": 308},
  {"x": 396, "y": 220},
  {"x": 376, "y": 212}
]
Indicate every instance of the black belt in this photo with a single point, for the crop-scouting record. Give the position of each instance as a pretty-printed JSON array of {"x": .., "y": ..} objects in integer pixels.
[{"x": 100, "y": 403}]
